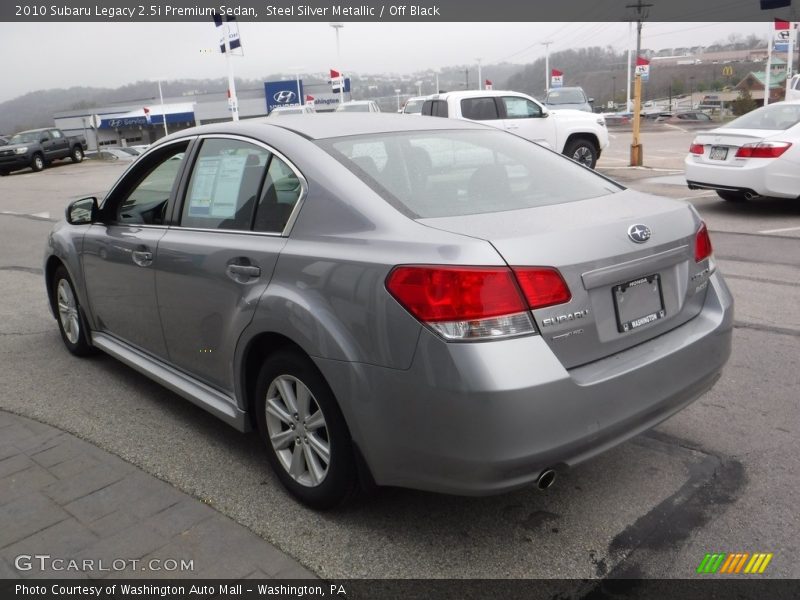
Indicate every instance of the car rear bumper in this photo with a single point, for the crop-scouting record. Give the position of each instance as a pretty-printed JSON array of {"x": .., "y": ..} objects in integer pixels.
[
  {"x": 760, "y": 177},
  {"x": 482, "y": 418}
]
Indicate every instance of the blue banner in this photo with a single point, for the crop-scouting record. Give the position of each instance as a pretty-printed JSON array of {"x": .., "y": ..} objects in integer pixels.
[{"x": 284, "y": 93}]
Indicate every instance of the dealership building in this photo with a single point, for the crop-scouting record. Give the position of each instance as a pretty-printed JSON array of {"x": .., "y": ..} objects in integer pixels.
[{"x": 143, "y": 122}]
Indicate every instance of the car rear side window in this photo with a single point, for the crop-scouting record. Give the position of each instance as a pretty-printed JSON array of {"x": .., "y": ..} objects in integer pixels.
[
  {"x": 224, "y": 185},
  {"x": 442, "y": 173},
  {"x": 282, "y": 190},
  {"x": 479, "y": 109}
]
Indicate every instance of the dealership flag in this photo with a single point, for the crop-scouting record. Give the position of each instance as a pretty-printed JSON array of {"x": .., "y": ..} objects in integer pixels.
[
  {"x": 337, "y": 81},
  {"x": 556, "y": 78},
  {"x": 309, "y": 99},
  {"x": 147, "y": 114},
  {"x": 781, "y": 24},
  {"x": 233, "y": 34},
  {"x": 488, "y": 84},
  {"x": 643, "y": 68}
]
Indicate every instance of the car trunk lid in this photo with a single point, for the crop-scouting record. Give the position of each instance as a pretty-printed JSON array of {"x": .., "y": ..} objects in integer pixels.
[{"x": 623, "y": 292}]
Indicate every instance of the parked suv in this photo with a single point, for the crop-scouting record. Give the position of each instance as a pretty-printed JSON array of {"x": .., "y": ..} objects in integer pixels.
[
  {"x": 573, "y": 98},
  {"x": 576, "y": 134}
]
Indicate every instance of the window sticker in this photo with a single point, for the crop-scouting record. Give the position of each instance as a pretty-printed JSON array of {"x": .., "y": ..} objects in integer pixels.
[{"x": 215, "y": 186}]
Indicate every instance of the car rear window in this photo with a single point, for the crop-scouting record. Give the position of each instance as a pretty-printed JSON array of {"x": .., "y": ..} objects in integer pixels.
[
  {"x": 566, "y": 97},
  {"x": 445, "y": 173},
  {"x": 775, "y": 116}
]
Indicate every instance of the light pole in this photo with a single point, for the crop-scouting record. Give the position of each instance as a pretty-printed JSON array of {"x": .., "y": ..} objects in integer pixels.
[
  {"x": 419, "y": 88},
  {"x": 691, "y": 92},
  {"x": 613, "y": 90},
  {"x": 337, "y": 26},
  {"x": 480, "y": 79},
  {"x": 397, "y": 91},
  {"x": 300, "y": 100},
  {"x": 164, "y": 114},
  {"x": 546, "y": 66}
]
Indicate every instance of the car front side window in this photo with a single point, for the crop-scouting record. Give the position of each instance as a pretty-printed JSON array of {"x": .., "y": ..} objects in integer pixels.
[
  {"x": 521, "y": 108},
  {"x": 150, "y": 186}
]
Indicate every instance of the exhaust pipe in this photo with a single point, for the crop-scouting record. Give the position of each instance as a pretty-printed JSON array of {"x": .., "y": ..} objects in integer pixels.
[
  {"x": 546, "y": 479},
  {"x": 751, "y": 196}
]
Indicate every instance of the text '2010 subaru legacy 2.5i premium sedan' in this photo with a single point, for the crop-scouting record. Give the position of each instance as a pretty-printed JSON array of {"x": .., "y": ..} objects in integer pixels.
[{"x": 426, "y": 303}]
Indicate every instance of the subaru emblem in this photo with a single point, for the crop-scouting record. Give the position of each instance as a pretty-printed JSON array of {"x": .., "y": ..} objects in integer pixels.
[{"x": 639, "y": 233}]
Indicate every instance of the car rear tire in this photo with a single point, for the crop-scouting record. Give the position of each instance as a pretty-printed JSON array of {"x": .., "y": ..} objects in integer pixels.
[
  {"x": 77, "y": 154},
  {"x": 37, "y": 162},
  {"x": 308, "y": 443},
  {"x": 732, "y": 196},
  {"x": 582, "y": 151},
  {"x": 68, "y": 314},
  {"x": 3, "y": 173}
]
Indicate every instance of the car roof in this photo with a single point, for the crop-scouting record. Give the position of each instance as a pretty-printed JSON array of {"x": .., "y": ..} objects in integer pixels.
[
  {"x": 317, "y": 126},
  {"x": 473, "y": 93},
  {"x": 35, "y": 130}
]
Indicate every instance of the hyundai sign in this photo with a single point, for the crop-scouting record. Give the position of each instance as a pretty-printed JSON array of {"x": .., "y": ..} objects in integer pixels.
[{"x": 283, "y": 93}]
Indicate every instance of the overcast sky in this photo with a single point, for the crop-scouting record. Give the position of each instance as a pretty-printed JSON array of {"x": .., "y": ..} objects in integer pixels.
[{"x": 52, "y": 55}]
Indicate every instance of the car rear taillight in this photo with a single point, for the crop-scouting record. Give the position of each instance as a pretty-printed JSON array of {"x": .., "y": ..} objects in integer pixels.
[
  {"x": 475, "y": 303},
  {"x": 763, "y": 150},
  {"x": 542, "y": 286},
  {"x": 697, "y": 149},
  {"x": 702, "y": 244}
]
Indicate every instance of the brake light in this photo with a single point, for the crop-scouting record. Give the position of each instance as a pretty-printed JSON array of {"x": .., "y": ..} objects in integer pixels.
[
  {"x": 474, "y": 303},
  {"x": 763, "y": 150},
  {"x": 697, "y": 149},
  {"x": 702, "y": 244},
  {"x": 542, "y": 286}
]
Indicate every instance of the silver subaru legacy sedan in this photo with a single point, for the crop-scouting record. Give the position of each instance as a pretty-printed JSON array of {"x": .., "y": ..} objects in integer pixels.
[{"x": 426, "y": 303}]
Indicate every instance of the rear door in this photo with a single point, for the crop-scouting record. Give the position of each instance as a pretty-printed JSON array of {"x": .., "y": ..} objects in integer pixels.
[{"x": 217, "y": 258}]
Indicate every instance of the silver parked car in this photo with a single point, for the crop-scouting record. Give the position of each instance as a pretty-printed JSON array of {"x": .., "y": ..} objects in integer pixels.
[{"x": 427, "y": 303}]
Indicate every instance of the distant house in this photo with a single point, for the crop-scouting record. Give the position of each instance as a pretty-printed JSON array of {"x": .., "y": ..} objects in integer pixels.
[{"x": 756, "y": 81}]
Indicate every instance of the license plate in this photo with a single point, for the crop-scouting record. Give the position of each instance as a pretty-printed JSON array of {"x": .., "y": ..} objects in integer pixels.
[
  {"x": 718, "y": 153},
  {"x": 638, "y": 303}
]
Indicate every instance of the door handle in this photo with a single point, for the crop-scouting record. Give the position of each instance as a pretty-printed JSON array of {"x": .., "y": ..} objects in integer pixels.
[
  {"x": 512, "y": 126},
  {"x": 143, "y": 258},
  {"x": 243, "y": 271}
]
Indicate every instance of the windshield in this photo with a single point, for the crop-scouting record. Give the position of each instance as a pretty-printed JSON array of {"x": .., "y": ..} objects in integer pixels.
[
  {"x": 565, "y": 97},
  {"x": 775, "y": 116},
  {"x": 413, "y": 107},
  {"x": 26, "y": 137},
  {"x": 449, "y": 173}
]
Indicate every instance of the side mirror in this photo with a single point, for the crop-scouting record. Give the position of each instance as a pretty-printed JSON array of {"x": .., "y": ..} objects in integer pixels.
[
  {"x": 591, "y": 101},
  {"x": 83, "y": 211}
]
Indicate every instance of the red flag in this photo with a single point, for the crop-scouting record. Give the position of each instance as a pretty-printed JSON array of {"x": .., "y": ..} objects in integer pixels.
[
  {"x": 487, "y": 82},
  {"x": 335, "y": 74},
  {"x": 781, "y": 24},
  {"x": 309, "y": 98},
  {"x": 556, "y": 73},
  {"x": 640, "y": 62}
]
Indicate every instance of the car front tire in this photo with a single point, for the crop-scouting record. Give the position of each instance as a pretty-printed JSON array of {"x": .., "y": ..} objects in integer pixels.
[
  {"x": 68, "y": 315},
  {"x": 307, "y": 441},
  {"x": 37, "y": 162},
  {"x": 582, "y": 151},
  {"x": 77, "y": 154}
]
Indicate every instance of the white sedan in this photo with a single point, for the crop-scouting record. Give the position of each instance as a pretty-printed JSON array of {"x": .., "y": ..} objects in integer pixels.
[{"x": 756, "y": 155}]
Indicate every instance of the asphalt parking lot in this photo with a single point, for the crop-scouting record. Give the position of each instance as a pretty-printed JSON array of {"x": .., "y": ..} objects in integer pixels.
[{"x": 721, "y": 476}]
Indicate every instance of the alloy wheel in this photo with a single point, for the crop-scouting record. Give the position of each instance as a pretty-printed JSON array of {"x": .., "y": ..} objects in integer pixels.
[
  {"x": 68, "y": 311},
  {"x": 297, "y": 430}
]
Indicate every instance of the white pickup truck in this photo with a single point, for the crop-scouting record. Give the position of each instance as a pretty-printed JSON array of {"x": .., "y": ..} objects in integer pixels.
[
  {"x": 577, "y": 134},
  {"x": 793, "y": 88}
]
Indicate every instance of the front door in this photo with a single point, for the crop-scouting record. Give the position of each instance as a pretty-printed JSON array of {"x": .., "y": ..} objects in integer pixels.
[
  {"x": 525, "y": 118},
  {"x": 119, "y": 253}
]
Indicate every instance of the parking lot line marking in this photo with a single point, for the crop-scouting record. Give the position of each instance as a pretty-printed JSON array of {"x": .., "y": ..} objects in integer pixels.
[{"x": 780, "y": 230}]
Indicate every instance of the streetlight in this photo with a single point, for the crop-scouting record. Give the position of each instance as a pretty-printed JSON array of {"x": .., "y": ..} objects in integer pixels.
[
  {"x": 337, "y": 26},
  {"x": 300, "y": 100},
  {"x": 613, "y": 91},
  {"x": 691, "y": 92},
  {"x": 480, "y": 79},
  {"x": 397, "y": 91},
  {"x": 546, "y": 65},
  {"x": 419, "y": 88}
]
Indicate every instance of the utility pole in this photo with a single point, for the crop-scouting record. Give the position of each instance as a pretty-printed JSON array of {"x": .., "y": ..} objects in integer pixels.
[
  {"x": 637, "y": 151},
  {"x": 546, "y": 66},
  {"x": 480, "y": 81},
  {"x": 466, "y": 78}
]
